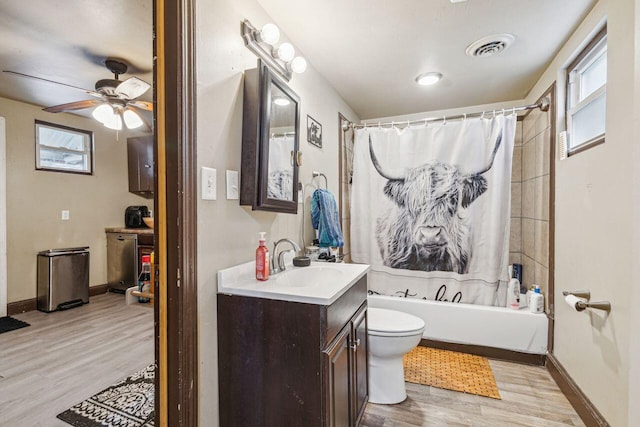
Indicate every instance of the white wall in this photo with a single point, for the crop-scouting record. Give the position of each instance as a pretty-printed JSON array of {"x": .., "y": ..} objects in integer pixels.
[
  {"x": 597, "y": 206},
  {"x": 227, "y": 232},
  {"x": 35, "y": 198}
]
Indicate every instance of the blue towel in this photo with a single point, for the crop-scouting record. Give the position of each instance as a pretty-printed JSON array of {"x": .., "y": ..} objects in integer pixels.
[{"x": 326, "y": 219}]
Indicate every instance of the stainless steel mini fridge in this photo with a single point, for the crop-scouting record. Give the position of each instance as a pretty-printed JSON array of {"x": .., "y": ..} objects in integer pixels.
[{"x": 63, "y": 278}]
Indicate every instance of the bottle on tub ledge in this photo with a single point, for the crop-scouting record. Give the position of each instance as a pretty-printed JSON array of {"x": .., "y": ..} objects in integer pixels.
[
  {"x": 513, "y": 291},
  {"x": 536, "y": 303}
]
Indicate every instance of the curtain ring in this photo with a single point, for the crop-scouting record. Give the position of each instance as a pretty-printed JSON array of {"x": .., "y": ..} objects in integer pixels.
[
  {"x": 503, "y": 111},
  {"x": 365, "y": 125},
  {"x": 393, "y": 125},
  {"x": 482, "y": 116},
  {"x": 426, "y": 123},
  {"x": 408, "y": 124},
  {"x": 494, "y": 114},
  {"x": 444, "y": 120},
  {"x": 465, "y": 116},
  {"x": 514, "y": 111},
  {"x": 379, "y": 126}
]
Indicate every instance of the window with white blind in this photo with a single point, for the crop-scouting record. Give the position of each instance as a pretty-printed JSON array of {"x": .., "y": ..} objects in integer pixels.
[
  {"x": 586, "y": 96},
  {"x": 63, "y": 149}
]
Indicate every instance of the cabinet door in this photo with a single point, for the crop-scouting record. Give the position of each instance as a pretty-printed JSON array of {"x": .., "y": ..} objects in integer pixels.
[
  {"x": 359, "y": 347},
  {"x": 338, "y": 361},
  {"x": 140, "y": 160}
]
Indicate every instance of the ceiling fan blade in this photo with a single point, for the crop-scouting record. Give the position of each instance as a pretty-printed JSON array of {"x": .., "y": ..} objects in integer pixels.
[
  {"x": 132, "y": 88},
  {"x": 143, "y": 105},
  {"x": 87, "y": 91},
  {"x": 71, "y": 106}
]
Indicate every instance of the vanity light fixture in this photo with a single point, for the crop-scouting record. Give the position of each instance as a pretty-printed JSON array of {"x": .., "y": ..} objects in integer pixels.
[
  {"x": 281, "y": 59},
  {"x": 428, "y": 79}
]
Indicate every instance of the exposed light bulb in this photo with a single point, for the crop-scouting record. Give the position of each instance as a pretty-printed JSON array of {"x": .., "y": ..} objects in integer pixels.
[
  {"x": 132, "y": 119},
  {"x": 286, "y": 52},
  {"x": 270, "y": 34},
  {"x": 282, "y": 102},
  {"x": 298, "y": 65},
  {"x": 115, "y": 122},
  {"x": 428, "y": 79},
  {"x": 103, "y": 113}
]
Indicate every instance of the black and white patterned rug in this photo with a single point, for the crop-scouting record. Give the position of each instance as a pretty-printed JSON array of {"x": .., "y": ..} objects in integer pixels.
[{"x": 128, "y": 403}]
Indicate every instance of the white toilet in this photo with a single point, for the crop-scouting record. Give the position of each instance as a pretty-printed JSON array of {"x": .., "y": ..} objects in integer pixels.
[{"x": 391, "y": 335}]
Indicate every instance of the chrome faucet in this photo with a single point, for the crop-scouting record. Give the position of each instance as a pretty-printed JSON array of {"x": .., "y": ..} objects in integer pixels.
[{"x": 279, "y": 266}]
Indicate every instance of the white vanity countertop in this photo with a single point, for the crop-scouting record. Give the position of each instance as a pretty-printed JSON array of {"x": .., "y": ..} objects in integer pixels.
[{"x": 321, "y": 283}]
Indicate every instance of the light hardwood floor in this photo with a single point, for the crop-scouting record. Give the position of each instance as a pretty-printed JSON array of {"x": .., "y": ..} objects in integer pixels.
[
  {"x": 530, "y": 397},
  {"x": 65, "y": 357}
]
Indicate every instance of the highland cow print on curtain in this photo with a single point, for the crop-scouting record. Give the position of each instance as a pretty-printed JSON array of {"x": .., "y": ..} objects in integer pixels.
[{"x": 430, "y": 209}]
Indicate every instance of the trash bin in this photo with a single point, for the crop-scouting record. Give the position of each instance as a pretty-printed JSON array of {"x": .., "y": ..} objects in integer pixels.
[{"x": 63, "y": 278}]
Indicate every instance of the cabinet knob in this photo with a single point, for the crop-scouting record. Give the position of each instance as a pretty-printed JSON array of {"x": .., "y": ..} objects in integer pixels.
[
  {"x": 147, "y": 166},
  {"x": 355, "y": 344}
]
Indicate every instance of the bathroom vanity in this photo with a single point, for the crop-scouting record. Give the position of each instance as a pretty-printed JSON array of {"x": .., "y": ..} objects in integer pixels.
[{"x": 292, "y": 351}]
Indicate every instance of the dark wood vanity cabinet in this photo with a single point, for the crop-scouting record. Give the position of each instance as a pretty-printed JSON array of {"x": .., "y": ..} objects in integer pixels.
[
  {"x": 292, "y": 364},
  {"x": 346, "y": 361},
  {"x": 140, "y": 162}
]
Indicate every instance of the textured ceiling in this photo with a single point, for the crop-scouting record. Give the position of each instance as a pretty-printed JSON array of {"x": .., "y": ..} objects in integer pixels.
[
  {"x": 68, "y": 42},
  {"x": 369, "y": 50},
  {"x": 372, "y": 50}
]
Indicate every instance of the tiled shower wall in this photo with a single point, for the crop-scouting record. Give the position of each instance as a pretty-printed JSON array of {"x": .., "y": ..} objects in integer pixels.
[{"x": 530, "y": 199}]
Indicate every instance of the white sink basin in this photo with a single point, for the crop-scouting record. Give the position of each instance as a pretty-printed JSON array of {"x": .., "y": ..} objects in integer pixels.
[
  {"x": 304, "y": 277},
  {"x": 320, "y": 283}
]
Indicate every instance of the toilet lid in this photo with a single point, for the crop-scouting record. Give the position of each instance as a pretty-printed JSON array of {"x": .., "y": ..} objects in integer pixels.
[{"x": 387, "y": 322}]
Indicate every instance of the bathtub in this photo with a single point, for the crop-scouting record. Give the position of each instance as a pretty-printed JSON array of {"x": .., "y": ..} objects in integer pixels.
[{"x": 498, "y": 327}]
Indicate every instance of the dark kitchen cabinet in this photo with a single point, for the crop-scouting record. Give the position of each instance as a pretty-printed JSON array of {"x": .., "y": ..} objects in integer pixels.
[
  {"x": 285, "y": 363},
  {"x": 140, "y": 160}
]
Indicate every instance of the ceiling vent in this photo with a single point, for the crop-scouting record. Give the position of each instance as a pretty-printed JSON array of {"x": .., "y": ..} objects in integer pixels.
[{"x": 490, "y": 45}]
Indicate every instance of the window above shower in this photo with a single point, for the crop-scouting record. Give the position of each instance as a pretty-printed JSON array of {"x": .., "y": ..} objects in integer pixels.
[{"x": 586, "y": 95}]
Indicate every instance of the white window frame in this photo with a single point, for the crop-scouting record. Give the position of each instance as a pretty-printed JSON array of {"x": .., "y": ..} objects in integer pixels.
[
  {"x": 87, "y": 151},
  {"x": 589, "y": 55}
]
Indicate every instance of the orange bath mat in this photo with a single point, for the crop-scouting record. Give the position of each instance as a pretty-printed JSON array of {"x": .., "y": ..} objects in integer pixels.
[{"x": 451, "y": 370}]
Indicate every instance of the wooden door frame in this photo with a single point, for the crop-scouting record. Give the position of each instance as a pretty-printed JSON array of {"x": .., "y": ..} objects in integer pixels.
[{"x": 176, "y": 204}]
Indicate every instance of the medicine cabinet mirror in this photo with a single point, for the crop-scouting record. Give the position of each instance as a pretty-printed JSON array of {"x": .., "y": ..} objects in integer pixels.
[{"x": 270, "y": 128}]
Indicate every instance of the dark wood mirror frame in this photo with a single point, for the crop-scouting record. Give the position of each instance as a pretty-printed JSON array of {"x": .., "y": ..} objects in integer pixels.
[{"x": 256, "y": 122}]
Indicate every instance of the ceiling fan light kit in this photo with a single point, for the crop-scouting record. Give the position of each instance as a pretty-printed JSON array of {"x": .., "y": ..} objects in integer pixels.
[{"x": 116, "y": 99}]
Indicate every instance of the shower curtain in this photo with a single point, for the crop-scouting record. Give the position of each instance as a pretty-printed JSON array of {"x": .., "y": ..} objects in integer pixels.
[{"x": 430, "y": 209}]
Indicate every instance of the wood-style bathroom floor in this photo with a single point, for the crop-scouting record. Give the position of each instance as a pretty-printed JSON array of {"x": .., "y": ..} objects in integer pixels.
[
  {"x": 530, "y": 397},
  {"x": 65, "y": 357}
]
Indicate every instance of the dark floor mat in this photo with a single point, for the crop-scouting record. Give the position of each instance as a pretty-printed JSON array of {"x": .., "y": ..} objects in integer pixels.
[{"x": 9, "y": 324}]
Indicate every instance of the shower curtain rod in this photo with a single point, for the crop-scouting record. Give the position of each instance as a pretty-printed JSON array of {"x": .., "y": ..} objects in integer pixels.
[{"x": 543, "y": 105}]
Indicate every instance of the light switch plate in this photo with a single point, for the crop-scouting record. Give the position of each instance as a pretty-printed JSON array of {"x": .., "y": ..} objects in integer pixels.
[
  {"x": 64, "y": 215},
  {"x": 209, "y": 184},
  {"x": 232, "y": 185}
]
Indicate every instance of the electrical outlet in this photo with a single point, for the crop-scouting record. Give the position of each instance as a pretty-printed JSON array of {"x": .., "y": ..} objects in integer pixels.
[
  {"x": 232, "y": 185},
  {"x": 209, "y": 184},
  {"x": 64, "y": 215}
]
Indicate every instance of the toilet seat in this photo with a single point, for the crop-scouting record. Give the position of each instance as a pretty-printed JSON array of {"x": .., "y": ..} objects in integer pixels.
[{"x": 390, "y": 323}]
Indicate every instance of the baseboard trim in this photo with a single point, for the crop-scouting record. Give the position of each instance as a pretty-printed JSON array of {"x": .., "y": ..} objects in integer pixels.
[
  {"x": 98, "y": 290},
  {"x": 583, "y": 406},
  {"x": 21, "y": 306},
  {"x": 32, "y": 303},
  {"x": 490, "y": 352}
]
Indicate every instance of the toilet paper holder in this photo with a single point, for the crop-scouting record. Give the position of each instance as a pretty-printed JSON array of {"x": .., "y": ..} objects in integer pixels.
[{"x": 583, "y": 305}]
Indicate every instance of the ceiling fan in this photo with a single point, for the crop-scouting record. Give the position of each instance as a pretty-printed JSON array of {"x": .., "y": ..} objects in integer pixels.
[{"x": 115, "y": 101}]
